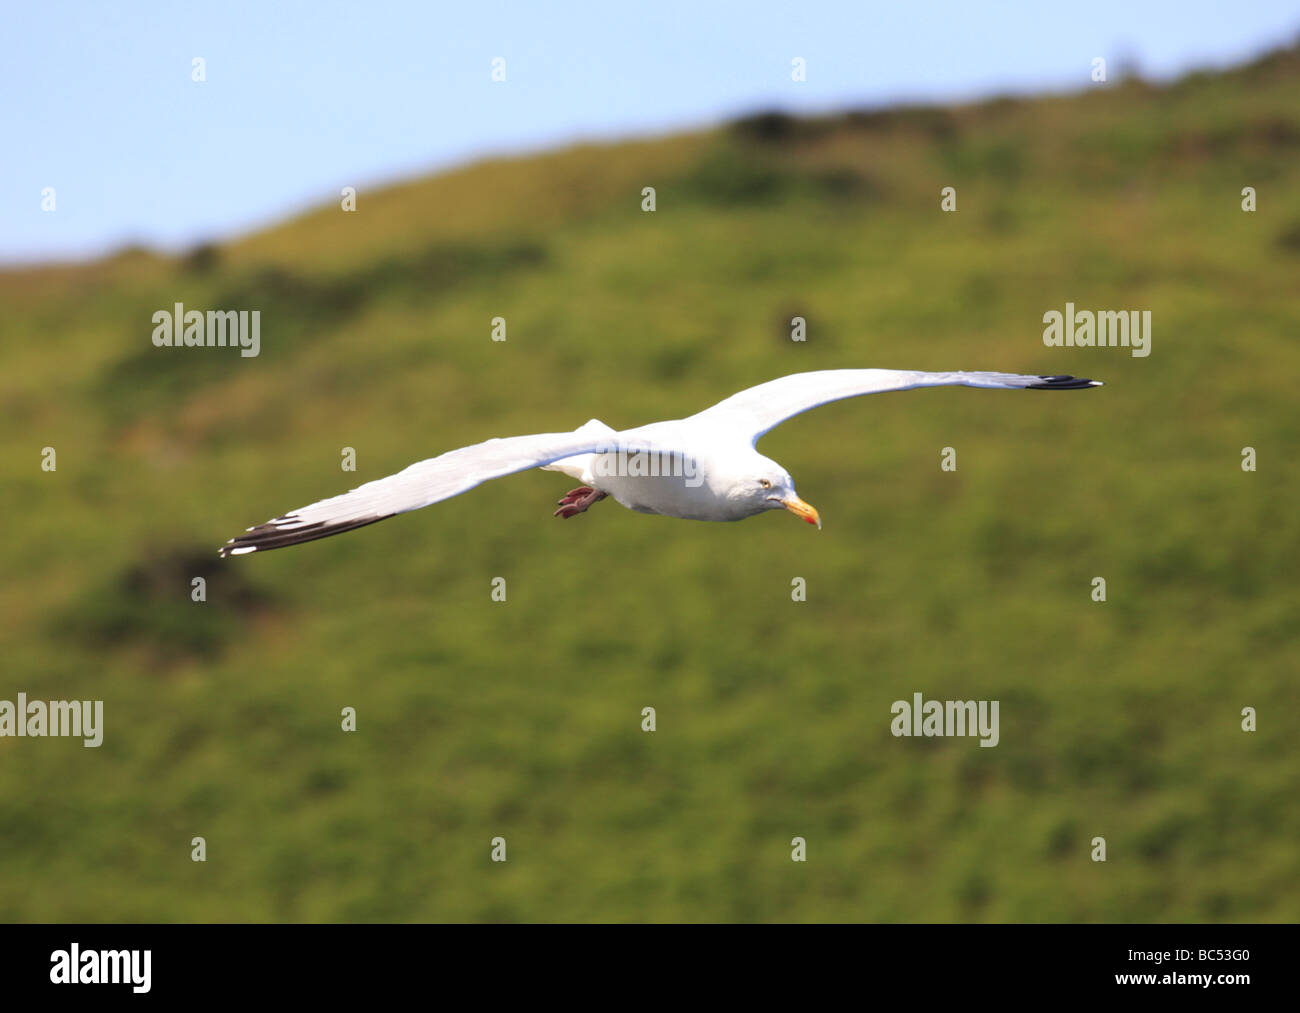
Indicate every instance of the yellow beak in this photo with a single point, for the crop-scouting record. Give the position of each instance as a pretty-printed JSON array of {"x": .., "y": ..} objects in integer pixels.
[{"x": 801, "y": 509}]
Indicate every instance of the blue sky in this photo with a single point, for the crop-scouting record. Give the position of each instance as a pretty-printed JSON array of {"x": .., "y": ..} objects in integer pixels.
[{"x": 302, "y": 99}]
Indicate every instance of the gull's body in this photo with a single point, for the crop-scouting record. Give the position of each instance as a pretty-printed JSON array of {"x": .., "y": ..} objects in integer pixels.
[
  {"x": 701, "y": 468},
  {"x": 717, "y": 458}
]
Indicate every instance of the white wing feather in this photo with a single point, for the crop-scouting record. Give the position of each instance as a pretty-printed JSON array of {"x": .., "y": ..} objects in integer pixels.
[
  {"x": 759, "y": 409},
  {"x": 430, "y": 481}
]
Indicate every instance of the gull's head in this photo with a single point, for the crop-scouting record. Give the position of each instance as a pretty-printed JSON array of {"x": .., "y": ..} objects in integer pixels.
[{"x": 768, "y": 486}]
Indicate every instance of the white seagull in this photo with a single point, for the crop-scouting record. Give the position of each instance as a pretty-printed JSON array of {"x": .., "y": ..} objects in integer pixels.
[{"x": 702, "y": 468}]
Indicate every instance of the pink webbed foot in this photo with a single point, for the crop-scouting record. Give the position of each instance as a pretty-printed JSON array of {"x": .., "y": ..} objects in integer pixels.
[{"x": 578, "y": 500}]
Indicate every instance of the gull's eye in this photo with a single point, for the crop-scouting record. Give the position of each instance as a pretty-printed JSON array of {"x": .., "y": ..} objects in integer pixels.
[{"x": 765, "y": 483}]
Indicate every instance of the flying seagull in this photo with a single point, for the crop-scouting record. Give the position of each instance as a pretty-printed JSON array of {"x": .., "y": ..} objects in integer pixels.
[{"x": 702, "y": 468}]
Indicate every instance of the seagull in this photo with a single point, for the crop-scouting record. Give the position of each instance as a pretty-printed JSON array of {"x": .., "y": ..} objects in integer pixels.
[{"x": 702, "y": 468}]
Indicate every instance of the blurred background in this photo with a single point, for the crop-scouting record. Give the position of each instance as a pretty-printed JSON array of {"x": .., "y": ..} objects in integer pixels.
[{"x": 775, "y": 198}]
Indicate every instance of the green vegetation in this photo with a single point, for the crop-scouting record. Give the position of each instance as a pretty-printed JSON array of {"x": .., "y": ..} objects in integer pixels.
[{"x": 478, "y": 719}]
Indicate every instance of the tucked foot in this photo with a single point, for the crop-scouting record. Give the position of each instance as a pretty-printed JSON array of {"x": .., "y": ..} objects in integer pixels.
[{"x": 578, "y": 500}]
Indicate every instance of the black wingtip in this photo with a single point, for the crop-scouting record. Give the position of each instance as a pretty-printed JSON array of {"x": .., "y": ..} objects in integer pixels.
[
  {"x": 1064, "y": 382},
  {"x": 281, "y": 532}
]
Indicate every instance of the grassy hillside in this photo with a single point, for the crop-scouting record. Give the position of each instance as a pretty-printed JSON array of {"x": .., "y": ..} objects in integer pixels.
[{"x": 522, "y": 719}]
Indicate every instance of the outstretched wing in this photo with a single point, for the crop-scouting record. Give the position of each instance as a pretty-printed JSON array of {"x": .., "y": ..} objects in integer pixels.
[
  {"x": 427, "y": 482},
  {"x": 759, "y": 409}
]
